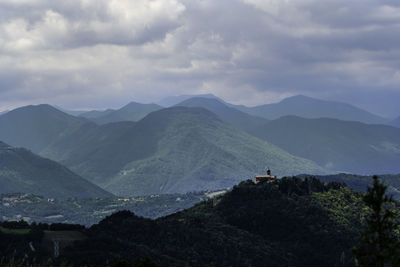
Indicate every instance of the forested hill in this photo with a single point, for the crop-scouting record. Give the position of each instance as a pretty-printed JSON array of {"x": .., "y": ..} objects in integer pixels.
[
  {"x": 24, "y": 172},
  {"x": 290, "y": 222}
]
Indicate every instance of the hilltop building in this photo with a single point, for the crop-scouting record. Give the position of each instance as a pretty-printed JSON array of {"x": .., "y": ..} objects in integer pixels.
[{"x": 266, "y": 177}]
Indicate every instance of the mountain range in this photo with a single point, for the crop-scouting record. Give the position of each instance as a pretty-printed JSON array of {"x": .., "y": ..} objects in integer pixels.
[
  {"x": 172, "y": 150},
  {"x": 21, "y": 171},
  {"x": 131, "y": 112},
  {"x": 337, "y": 145},
  {"x": 308, "y": 107},
  {"x": 174, "y": 100},
  {"x": 202, "y": 143},
  {"x": 237, "y": 118}
]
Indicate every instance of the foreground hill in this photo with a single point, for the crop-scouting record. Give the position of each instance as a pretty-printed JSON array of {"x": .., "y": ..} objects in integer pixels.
[
  {"x": 131, "y": 112},
  {"x": 290, "y": 222},
  {"x": 337, "y": 145},
  {"x": 239, "y": 119},
  {"x": 308, "y": 107},
  {"x": 36, "y": 127},
  {"x": 24, "y": 172}
]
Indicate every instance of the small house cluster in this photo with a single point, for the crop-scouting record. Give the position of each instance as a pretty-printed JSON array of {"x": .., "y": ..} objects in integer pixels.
[{"x": 264, "y": 178}]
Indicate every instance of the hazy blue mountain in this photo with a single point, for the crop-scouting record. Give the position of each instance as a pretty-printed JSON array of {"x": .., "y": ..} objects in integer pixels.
[
  {"x": 36, "y": 127},
  {"x": 93, "y": 114},
  {"x": 337, "y": 145},
  {"x": 3, "y": 112},
  {"x": 228, "y": 114},
  {"x": 308, "y": 107},
  {"x": 396, "y": 122},
  {"x": 24, "y": 172},
  {"x": 173, "y": 100},
  {"x": 172, "y": 150},
  {"x": 70, "y": 112},
  {"x": 131, "y": 112}
]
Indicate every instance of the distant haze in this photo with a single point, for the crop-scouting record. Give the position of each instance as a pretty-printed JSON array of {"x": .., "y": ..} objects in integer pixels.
[{"x": 83, "y": 54}]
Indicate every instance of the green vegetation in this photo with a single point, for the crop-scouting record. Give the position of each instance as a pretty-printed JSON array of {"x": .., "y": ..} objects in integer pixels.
[
  {"x": 23, "y": 171},
  {"x": 289, "y": 222},
  {"x": 190, "y": 149},
  {"x": 379, "y": 243},
  {"x": 286, "y": 222},
  {"x": 361, "y": 183}
]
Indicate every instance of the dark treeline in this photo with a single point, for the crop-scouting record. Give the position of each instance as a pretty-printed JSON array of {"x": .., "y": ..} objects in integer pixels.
[{"x": 286, "y": 222}]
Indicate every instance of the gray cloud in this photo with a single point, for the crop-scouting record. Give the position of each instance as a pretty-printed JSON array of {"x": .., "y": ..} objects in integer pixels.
[{"x": 100, "y": 53}]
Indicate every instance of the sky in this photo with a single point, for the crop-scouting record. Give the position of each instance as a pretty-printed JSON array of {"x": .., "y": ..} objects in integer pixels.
[{"x": 82, "y": 54}]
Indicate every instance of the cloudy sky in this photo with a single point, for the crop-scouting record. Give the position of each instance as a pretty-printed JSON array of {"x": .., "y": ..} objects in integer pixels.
[{"x": 105, "y": 53}]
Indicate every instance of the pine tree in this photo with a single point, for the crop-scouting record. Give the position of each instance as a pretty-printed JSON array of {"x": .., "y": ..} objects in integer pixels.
[{"x": 379, "y": 244}]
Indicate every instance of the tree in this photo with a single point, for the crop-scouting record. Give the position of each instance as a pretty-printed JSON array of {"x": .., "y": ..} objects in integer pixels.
[{"x": 379, "y": 244}]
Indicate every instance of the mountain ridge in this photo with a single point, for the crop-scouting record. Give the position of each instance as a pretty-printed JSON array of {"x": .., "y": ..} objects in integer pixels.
[
  {"x": 307, "y": 107},
  {"x": 21, "y": 171}
]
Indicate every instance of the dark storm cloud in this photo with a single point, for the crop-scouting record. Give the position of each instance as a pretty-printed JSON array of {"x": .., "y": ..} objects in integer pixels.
[{"x": 246, "y": 51}]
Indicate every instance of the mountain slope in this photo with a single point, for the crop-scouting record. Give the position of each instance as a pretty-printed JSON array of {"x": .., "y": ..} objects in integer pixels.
[
  {"x": 196, "y": 151},
  {"x": 131, "y": 112},
  {"x": 337, "y": 145},
  {"x": 24, "y": 172},
  {"x": 36, "y": 127},
  {"x": 172, "y": 150},
  {"x": 230, "y": 115},
  {"x": 308, "y": 107}
]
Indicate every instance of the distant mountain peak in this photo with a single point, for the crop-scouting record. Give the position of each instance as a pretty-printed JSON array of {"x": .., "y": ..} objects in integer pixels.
[{"x": 173, "y": 100}]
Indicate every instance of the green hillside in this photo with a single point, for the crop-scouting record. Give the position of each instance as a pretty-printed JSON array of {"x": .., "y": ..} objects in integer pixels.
[
  {"x": 308, "y": 107},
  {"x": 337, "y": 145},
  {"x": 24, "y": 172},
  {"x": 188, "y": 149},
  {"x": 172, "y": 150},
  {"x": 238, "y": 119}
]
